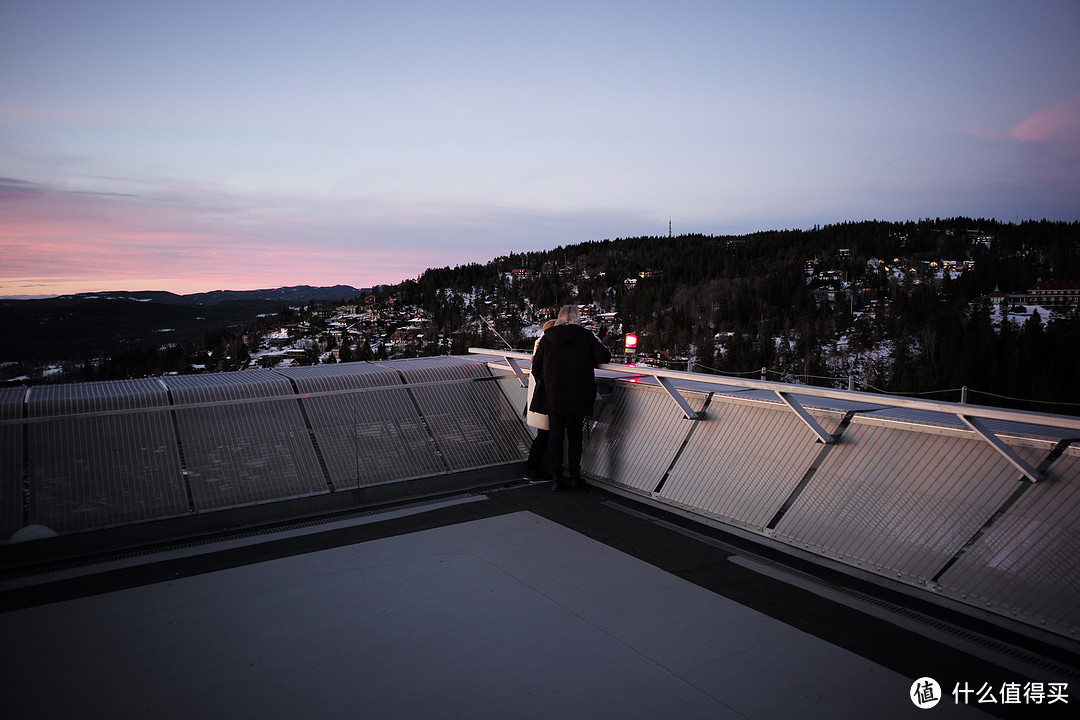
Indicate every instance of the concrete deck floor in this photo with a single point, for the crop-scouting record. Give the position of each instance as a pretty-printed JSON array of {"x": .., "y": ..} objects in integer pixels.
[{"x": 516, "y": 603}]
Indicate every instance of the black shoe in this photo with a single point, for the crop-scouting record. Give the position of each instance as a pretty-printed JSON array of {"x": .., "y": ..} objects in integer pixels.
[
  {"x": 536, "y": 478},
  {"x": 576, "y": 481},
  {"x": 558, "y": 485}
]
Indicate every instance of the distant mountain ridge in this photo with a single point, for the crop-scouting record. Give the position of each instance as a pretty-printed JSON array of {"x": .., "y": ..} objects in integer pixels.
[
  {"x": 87, "y": 325},
  {"x": 292, "y": 293}
]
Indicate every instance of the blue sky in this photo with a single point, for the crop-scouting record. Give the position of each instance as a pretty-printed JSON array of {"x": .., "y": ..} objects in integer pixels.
[{"x": 191, "y": 146}]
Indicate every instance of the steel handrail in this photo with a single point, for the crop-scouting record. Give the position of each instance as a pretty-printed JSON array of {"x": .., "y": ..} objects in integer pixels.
[
  {"x": 229, "y": 402},
  {"x": 956, "y": 409}
]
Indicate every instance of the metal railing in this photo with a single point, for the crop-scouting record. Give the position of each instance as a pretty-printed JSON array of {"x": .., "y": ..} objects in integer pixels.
[
  {"x": 88, "y": 456},
  {"x": 980, "y": 505},
  {"x": 976, "y": 504}
]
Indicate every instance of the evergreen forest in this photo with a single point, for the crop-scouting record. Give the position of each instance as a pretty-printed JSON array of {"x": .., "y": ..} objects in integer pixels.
[{"x": 863, "y": 302}]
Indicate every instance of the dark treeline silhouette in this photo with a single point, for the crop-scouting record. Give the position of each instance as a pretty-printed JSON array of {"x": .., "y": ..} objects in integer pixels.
[{"x": 738, "y": 304}]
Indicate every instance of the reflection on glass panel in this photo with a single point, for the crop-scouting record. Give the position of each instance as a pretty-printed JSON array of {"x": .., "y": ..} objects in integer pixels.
[
  {"x": 99, "y": 471},
  {"x": 372, "y": 437},
  {"x": 11, "y": 461},
  {"x": 247, "y": 453}
]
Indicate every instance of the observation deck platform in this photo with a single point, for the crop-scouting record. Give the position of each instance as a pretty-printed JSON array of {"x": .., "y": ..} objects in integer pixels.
[
  {"x": 355, "y": 541},
  {"x": 504, "y": 601}
]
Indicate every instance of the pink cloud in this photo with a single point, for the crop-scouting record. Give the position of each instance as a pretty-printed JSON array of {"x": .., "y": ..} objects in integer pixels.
[
  {"x": 55, "y": 242},
  {"x": 1059, "y": 123},
  {"x": 59, "y": 242},
  {"x": 987, "y": 134},
  {"x": 190, "y": 239}
]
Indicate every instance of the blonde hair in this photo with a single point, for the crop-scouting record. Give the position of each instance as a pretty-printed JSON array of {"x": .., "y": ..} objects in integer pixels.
[
  {"x": 569, "y": 315},
  {"x": 547, "y": 325}
]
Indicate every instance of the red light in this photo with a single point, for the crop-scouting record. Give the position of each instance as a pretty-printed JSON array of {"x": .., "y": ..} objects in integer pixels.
[{"x": 631, "y": 341}]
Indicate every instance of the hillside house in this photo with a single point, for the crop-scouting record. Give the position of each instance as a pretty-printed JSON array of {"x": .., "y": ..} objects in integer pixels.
[{"x": 1054, "y": 293}]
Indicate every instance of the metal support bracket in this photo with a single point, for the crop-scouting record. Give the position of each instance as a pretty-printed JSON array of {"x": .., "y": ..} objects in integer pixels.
[
  {"x": 688, "y": 411},
  {"x": 513, "y": 363},
  {"x": 807, "y": 418},
  {"x": 1007, "y": 452}
]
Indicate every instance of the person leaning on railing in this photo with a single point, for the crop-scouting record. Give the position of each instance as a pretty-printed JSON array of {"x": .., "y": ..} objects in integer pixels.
[
  {"x": 563, "y": 367},
  {"x": 536, "y": 472}
]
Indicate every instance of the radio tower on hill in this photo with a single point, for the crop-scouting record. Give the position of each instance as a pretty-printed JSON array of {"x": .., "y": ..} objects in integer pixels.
[{"x": 669, "y": 226}]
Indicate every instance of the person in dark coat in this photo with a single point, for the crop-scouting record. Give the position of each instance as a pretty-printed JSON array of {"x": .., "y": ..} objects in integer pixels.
[
  {"x": 538, "y": 450},
  {"x": 564, "y": 362}
]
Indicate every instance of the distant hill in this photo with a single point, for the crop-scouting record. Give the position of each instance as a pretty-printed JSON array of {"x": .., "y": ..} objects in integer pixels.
[
  {"x": 294, "y": 293},
  {"x": 88, "y": 325}
]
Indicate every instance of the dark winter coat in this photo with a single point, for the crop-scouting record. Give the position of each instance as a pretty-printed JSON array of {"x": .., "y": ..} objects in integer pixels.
[{"x": 564, "y": 362}]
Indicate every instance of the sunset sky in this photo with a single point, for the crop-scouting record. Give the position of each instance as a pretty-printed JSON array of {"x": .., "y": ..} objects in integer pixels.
[{"x": 192, "y": 146}]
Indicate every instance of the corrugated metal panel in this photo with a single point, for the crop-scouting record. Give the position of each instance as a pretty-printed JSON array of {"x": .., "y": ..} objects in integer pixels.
[
  {"x": 101, "y": 470},
  {"x": 435, "y": 369},
  {"x": 409, "y": 430},
  {"x": 634, "y": 440},
  {"x": 369, "y": 437},
  {"x": 512, "y": 388},
  {"x": 74, "y": 398},
  {"x": 473, "y": 424},
  {"x": 1027, "y": 563},
  {"x": 372, "y": 437},
  {"x": 215, "y": 387},
  {"x": 341, "y": 376},
  {"x": 11, "y": 402},
  {"x": 11, "y": 462},
  {"x": 745, "y": 460},
  {"x": 897, "y": 501},
  {"x": 244, "y": 453}
]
